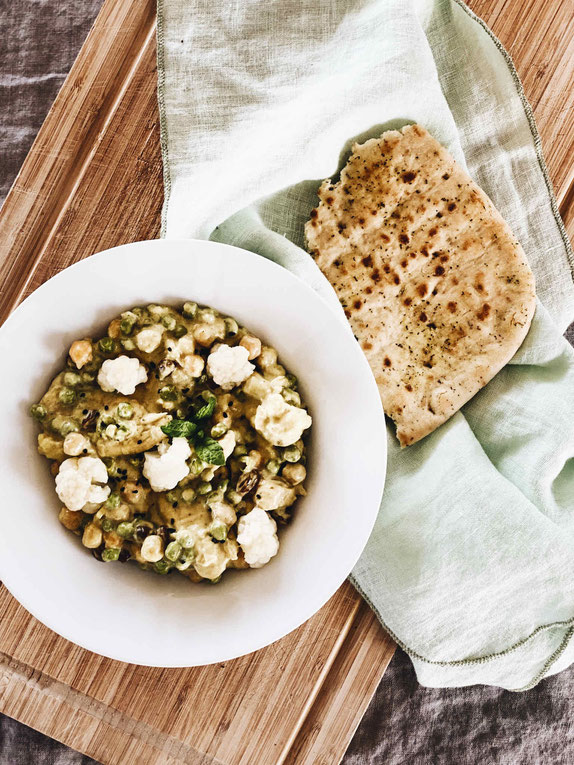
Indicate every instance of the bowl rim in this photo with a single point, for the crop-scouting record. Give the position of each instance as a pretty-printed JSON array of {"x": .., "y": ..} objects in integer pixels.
[{"x": 317, "y": 599}]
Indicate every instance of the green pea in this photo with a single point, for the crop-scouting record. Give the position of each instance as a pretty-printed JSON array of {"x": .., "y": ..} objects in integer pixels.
[
  {"x": 125, "y": 529},
  {"x": 127, "y": 322},
  {"x": 173, "y": 551},
  {"x": 64, "y": 425},
  {"x": 112, "y": 467},
  {"x": 240, "y": 450},
  {"x": 204, "y": 488},
  {"x": 72, "y": 379},
  {"x": 189, "y": 310},
  {"x": 202, "y": 380},
  {"x": 172, "y": 496},
  {"x": 219, "y": 430},
  {"x": 195, "y": 466},
  {"x": 168, "y": 321},
  {"x": 113, "y": 501},
  {"x": 181, "y": 414},
  {"x": 38, "y": 411},
  {"x": 291, "y": 397},
  {"x": 168, "y": 393},
  {"x": 87, "y": 377},
  {"x": 291, "y": 454},
  {"x": 107, "y": 345},
  {"x": 184, "y": 538},
  {"x": 128, "y": 344},
  {"x": 218, "y": 531},
  {"x": 183, "y": 565},
  {"x": 111, "y": 553},
  {"x": 273, "y": 466},
  {"x": 291, "y": 380},
  {"x": 188, "y": 495},
  {"x": 231, "y": 327},
  {"x": 233, "y": 497},
  {"x": 136, "y": 460},
  {"x": 67, "y": 395},
  {"x": 125, "y": 410},
  {"x": 107, "y": 525},
  {"x": 163, "y": 566},
  {"x": 180, "y": 330}
]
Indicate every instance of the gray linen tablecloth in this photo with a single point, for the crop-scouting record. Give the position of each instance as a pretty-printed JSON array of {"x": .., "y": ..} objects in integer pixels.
[{"x": 405, "y": 723}]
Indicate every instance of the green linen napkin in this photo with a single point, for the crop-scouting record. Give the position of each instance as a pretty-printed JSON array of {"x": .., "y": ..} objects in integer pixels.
[{"x": 471, "y": 562}]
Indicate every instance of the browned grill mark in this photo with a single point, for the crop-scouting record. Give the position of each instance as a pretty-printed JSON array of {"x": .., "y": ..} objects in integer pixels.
[
  {"x": 439, "y": 271},
  {"x": 314, "y": 212},
  {"x": 445, "y": 177},
  {"x": 387, "y": 361},
  {"x": 484, "y": 312},
  {"x": 433, "y": 231},
  {"x": 409, "y": 176},
  {"x": 357, "y": 304},
  {"x": 376, "y": 276},
  {"x": 385, "y": 238},
  {"x": 404, "y": 263},
  {"x": 329, "y": 200},
  {"x": 396, "y": 279},
  {"x": 404, "y": 239},
  {"x": 367, "y": 261},
  {"x": 409, "y": 387},
  {"x": 451, "y": 207},
  {"x": 451, "y": 305},
  {"x": 369, "y": 290},
  {"x": 422, "y": 289},
  {"x": 407, "y": 301},
  {"x": 423, "y": 316}
]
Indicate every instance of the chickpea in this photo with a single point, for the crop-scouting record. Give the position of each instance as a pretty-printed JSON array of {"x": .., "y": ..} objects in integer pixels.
[
  {"x": 81, "y": 352},
  {"x": 132, "y": 493},
  {"x": 206, "y": 334},
  {"x": 75, "y": 444},
  {"x": 267, "y": 357},
  {"x": 193, "y": 365},
  {"x": 152, "y": 548},
  {"x": 294, "y": 473},
  {"x": 112, "y": 539},
  {"x": 92, "y": 536},
  {"x": 252, "y": 344},
  {"x": 114, "y": 330},
  {"x": 70, "y": 519}
]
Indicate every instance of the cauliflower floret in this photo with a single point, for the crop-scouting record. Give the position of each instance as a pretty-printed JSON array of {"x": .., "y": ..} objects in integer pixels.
[
  {"x": 165, "y": 470},
  {"x": 148, "y": 339},
  {"x": 229, "y": 366},
  {"x": 78, "y": 482},
  {"x": 257, "y": 536},
  {"x": 279, "y": 422},
  {"x": 122, "y": 375}
]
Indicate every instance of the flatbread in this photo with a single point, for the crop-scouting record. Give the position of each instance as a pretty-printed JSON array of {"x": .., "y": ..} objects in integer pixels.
[{"x": 436, "y": 287}]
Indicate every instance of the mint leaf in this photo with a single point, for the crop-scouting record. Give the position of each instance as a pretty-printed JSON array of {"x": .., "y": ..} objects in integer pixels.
[
  {"x": 180, "y": 429},
  {"x": 206, "y": 410},
  {"x": 210, "y": 451}
]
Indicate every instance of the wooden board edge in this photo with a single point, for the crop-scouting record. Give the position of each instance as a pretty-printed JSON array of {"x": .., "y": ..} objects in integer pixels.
[
  {"x": 356, "y": 671},
  {"x": 78, "y": 721},
  {"x": 27, "y": 223},
  {"x": 48, "y": 705}
]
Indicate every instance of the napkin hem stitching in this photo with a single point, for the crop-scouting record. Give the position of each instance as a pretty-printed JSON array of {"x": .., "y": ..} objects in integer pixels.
[
  {"x": 480, "y": 659},
  {"x": 533, "y": 130}
]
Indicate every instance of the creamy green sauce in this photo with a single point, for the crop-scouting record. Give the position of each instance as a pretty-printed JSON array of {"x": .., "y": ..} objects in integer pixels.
[{"x": 239, "y": 454}]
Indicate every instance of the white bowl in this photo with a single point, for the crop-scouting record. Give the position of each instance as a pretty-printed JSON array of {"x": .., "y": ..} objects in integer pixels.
[{"x": 140, "y": 617}]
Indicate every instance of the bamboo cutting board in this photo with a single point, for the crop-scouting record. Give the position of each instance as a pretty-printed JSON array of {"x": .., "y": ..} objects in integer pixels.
[{"x": 93, "y": 180}]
